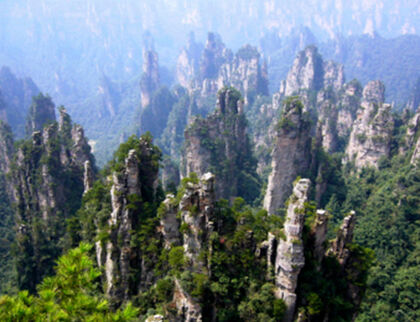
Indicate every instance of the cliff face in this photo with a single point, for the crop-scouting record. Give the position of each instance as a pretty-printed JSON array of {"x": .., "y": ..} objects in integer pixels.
[
  {"x": 188, "y": 62},
  {"x": 218, "y": 68},
  {"x": 48, "y": 185},
  {"x": 336, "y": 113},
  {"x": 197, "y": 216},
  {"x": 41, "y": 112},
  {"x": 6, "y": 147},
  {"x": 372, "y": 129},
  {"x": 16, "y": 95},
  {"x": 414, "y": 102},
  {"x": 289, "y": 254},
  {"x": 300, "y": 252},
  {"x": 291, "y": 154},
  {"x": 149, "y": 82},
  {"x": 245, "y": 73},
  {"x": 133, "y": 194},
  {"x": 310, "y": 72},
  {"x": 220, "y": 144},
  {"x": 154, "y": 116}
]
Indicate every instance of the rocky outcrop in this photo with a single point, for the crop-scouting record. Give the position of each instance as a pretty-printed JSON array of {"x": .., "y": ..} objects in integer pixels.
[
  {"x": 197, "y": 212},
  {"x": 291, "y": 156},
  {"x": 121, "y": 223},
  {"x": 213, "y": 56},
  {"x": 410, "y": 138},
  {"x": 310, "y": 72},
  {"x": 48, "y": 186},
  {"x": 41, "y": 112},
  {"x": 196, "y": 208},
  {"x": 301, "y": 248},
  {"x": 6, "y": 147},
  {"x": 187, "y": 309},
  {"x": 218, "y": 68},
  {"x": 154, "y": 116},
  {"x": 416, "y": 154},
  {"x": 170, "y": 223},
  {"x": 134, "y": 187},
  {"x": 263, "y": 127},
  {"x": 150, "y": 81},
  {"x": 414, "y": 102},
  {"x": 374, "y": 92},
  {"x": 348, "y": 259},
  {"x": 372, "y": 130},
  {"x": 88, "y": 176},
  {"x": 319, "y": 231},
  {"x": 188, "y": 64},
  {"x": 245, "y": 73},
  {"x": 16, "y": 95},
  {"x": 109, "y": 97},
  {"x": 170, "y": 174},
  {"x": 344, "y": 238},
  {"x": 7, "y": 151},
  {"x": 220, "y": 144},
  {"x": 289, "y": 254}
]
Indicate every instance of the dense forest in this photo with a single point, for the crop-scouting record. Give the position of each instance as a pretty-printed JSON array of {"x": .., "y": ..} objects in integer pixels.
[{"x": 278, "y": 182}]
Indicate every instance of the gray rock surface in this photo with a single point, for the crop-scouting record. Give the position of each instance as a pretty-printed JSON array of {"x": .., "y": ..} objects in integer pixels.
[
  {"x": 372, "y": 130},
  {"x": 150, "y": 80},
  {"x": 290, "y": 252},
  {"x": 291, "y": 155}
]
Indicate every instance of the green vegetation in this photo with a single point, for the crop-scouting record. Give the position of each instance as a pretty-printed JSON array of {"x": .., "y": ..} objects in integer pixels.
[
  {"x": 70, "y": 295},
  {"x": 387, "y": 203},
  {"x": 7, "y": 237},
  {"x": 223, "y": 136}
]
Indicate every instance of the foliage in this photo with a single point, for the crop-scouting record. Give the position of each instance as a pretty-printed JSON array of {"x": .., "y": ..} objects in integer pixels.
[
  {"x": 7, "y": 236},
  {"x": 386, "y": 203},
  {"x": 70, "y": 295},
  {"x": 223, "y": 137}
]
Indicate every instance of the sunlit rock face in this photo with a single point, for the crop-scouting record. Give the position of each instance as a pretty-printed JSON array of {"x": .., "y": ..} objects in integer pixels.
[
  {"x": 291, "y": 155},
  {"x": 372, "y": 130}
]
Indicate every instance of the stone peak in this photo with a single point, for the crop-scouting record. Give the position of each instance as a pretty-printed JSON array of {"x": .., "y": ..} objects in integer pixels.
[
  {"x": 374, "y": 92},
  {"x": 229, "y": 101}
]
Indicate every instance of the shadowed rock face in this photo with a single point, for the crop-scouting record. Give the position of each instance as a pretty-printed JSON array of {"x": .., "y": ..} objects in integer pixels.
[
  {"x": 344, "y": 239},
  {"x": 41, "y": 112},
  {"x": 220, "y": 143},
  {"x": 291, "y": 155}
]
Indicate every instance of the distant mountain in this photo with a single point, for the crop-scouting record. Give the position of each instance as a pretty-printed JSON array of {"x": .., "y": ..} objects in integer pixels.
[
  {"x": 365, "y": 57},
  {"x": 394, "y": 61},
  {"x": 15, "y": 99}
]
